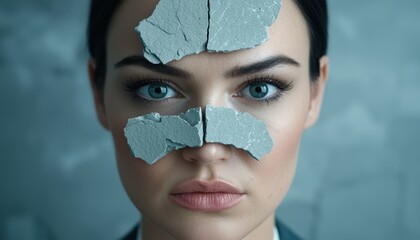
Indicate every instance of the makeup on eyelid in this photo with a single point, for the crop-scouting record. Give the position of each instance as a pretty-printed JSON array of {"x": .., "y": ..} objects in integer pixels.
[
  {"x": 134, "y": 83},
  {"x": 259, "y": 66}
]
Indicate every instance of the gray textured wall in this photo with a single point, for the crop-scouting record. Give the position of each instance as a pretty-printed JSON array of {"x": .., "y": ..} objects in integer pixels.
[{"x": 359, "y": 171}]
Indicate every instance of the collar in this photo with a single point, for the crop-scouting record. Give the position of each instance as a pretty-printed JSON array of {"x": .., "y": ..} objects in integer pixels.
[{"x": 275, "y": 233}]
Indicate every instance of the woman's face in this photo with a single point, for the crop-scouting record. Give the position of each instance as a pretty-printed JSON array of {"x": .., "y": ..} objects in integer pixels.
[{"x": 281, "y": 95}]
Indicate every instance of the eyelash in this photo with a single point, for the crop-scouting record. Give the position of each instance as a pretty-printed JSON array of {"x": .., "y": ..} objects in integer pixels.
[
  {"x": 131, "y": 84},
  {"x": 282, "y": 85}
]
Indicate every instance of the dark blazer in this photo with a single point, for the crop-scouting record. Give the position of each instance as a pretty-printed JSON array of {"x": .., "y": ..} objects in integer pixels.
[{"x": 285, "y": 233}]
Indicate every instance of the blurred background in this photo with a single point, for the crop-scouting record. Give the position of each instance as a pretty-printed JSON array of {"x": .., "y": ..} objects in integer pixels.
[{"x": 359, "y": 169}]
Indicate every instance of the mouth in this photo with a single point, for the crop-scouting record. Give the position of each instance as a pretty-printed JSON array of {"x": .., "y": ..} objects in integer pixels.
[{"x": 207, "y": 196}]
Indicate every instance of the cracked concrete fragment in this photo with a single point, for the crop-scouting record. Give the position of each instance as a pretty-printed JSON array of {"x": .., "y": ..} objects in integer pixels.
[
  {"x": 152, "y": 136},
  {"x": 240, "y": 24},
  {"x": 178, "y": 28},
  {"x": 242, "y": 130},
  {"x": 175, "y": 29}
]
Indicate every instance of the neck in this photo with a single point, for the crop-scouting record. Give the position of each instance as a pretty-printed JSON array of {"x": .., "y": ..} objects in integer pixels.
[{"x": 264, "y": 231}]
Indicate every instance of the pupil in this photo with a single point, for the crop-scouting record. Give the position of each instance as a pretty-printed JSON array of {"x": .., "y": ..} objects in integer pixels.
[
  {"x": 158, "y": 91},
  {"x": 259, "y": 90}
]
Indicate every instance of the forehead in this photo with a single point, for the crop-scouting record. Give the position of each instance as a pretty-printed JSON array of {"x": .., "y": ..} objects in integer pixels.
[{"x": 288, "y": 35}]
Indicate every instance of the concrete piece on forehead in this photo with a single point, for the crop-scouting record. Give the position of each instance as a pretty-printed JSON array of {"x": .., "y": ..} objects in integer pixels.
[
  {"x": 240, "y": 24},
  {"x": 242, "y": 130},
  {"x": 175, "y": 29},
  {"x": 152, "y": 136}
]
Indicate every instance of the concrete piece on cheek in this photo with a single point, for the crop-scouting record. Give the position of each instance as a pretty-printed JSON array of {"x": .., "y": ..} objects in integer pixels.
[
  {"x": 176, "y": 28},
  {"x": 152, "y": 136},
  {"x": 240, "y": 24},
  {"x": 242, "y": 130}
]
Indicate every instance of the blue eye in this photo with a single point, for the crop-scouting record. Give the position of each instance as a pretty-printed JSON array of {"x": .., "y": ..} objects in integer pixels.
[
  {"x": 260, "y": 91},
  {"x": 156, "y": 91}
]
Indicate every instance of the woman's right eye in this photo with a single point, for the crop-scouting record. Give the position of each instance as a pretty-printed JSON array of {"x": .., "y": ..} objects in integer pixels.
[{"x": 156, "y": 91}]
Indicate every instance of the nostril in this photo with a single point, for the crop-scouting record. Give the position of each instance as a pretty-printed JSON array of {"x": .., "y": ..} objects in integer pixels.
[{"x": 209, "y": 153}]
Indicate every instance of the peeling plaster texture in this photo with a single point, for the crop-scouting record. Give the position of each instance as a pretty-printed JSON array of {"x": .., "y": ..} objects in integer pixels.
[
  {"x": 153, "y": 136},
  {"x": 238, "y": 24},
  {"x": 242, "y": 130},
  {"x": 178, "y": 28},
  {"x": 175, "y": 29}
]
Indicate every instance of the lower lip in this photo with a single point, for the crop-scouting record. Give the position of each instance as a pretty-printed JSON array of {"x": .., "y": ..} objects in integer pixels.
[{"x": 206, "y": 201}]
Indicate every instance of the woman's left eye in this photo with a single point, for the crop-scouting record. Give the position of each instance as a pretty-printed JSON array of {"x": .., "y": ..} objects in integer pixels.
[
  {"x": 156, "y": 91},
  {"x": 260, "y": 91}
]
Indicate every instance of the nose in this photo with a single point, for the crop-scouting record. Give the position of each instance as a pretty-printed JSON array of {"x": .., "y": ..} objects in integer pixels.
[{"x": 209, "y": 153}]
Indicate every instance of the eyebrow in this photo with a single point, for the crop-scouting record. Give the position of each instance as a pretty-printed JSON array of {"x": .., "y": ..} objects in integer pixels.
[
  {"x": 237, "y": 71},
  {"x": 262, "y": 65},
  {"x": 160, "y": 68}
]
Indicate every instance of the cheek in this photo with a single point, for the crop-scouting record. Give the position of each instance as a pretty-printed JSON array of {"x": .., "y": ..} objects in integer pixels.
[
  {"x": 279, "y": 165},
  {"x": 286, "y": 127},
  {"x": 136, "y": 175},
  {"x": 145, "y": 184},
  {"x": 132, "y": 171}
]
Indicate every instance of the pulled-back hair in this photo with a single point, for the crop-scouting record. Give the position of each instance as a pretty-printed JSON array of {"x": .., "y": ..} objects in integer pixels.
[{"x": 315, "y": 13}]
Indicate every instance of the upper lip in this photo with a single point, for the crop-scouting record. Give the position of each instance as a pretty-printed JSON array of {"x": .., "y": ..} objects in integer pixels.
[{"x": 199, "y": 186}]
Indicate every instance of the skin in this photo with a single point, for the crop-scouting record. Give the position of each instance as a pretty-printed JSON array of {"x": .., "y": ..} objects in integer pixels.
[{"x": 265, "y": 182}]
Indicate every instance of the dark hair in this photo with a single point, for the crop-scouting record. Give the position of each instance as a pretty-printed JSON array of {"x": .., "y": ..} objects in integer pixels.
[
  {"x": 315, "y": 13},
  {"x": 100, "y": 16},
  {"x": 316, "y": 16}
]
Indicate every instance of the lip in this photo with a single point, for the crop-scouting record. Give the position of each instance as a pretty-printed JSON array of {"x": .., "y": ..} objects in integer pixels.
[{"x": 206, "y": 195}]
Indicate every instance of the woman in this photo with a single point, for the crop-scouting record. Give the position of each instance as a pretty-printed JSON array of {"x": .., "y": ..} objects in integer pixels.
[{"x": 286, "y": 93}]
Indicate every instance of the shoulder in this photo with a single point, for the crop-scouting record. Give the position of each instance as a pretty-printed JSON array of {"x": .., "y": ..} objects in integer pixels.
[
  {"x": 285, "y": 232},
  {"x": 132, "y": 235}
]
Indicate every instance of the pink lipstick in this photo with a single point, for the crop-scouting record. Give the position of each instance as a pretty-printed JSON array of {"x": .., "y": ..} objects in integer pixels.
[{"x": 206, "y": 195}]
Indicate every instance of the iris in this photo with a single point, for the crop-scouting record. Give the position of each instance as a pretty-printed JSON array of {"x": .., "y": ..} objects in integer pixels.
[
  {"x": 258, "y": 90},
  {"x": 157, "y": 91}
]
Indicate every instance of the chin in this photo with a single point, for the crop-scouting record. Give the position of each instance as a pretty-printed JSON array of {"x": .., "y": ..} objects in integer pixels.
[{"x": 209, "y": 231}]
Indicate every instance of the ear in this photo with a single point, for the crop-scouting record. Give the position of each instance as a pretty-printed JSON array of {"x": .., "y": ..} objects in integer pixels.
[
  {"x": 317, "y": 93},
  {"x": 98, "y": 95}
]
